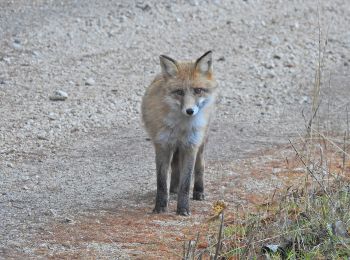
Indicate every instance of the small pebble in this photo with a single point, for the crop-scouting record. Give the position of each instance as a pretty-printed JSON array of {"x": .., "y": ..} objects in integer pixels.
[
  {"x": 42, "y": 137},
  {"x": 277, "y": 56},
  {"x": 193, "y": 2},
  {"x": 89, "y": 82},
  {"x": 304, "y": 99},
  {"x": 10, "y": 165},
  {"x": 143, "y": 7},
  {"x": 52, "y": 116},
  {"x": 271, "y": 74},
  {"x": 7, "y": 60},
  {"x": 16, "y": 46},
  {"x": 222, "y": 58},
  {"x": 68, "y": 220},
  {"x": 59, "y": 95},
  {"x": 74, "y": 129},
  {"x": 274, "y": 40},
  {"x": 35, "y": 54},
  {"x": 288, "y": 64},
  {"x": 269, "y": 65}
]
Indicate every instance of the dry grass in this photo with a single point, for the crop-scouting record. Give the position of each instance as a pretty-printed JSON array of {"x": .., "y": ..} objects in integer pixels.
[{"x": 309, "y": 221}]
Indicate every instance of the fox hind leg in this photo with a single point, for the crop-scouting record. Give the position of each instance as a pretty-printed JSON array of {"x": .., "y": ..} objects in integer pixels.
[
  {"x": 175, "y": 172},
  {"x": 198, "y": 189}
]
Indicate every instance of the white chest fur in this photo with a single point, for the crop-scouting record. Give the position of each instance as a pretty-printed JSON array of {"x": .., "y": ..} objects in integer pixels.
[{"x": 182, "y": 129}]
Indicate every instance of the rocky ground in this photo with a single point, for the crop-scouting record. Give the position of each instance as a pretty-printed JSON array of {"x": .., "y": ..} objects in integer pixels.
[{"x": 68, "y": 164}]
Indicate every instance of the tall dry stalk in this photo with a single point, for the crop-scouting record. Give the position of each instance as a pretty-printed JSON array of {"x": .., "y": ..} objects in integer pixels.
[{"x": 316, "y": 97}]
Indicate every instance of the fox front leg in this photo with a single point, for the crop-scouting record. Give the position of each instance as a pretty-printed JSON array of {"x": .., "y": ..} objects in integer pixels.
[
  {"x": 188, "y": 159},
  {"x": 198, "y": 189},
  {"x": 175, "y": 172},
  {"x": 163, "y": 158}
]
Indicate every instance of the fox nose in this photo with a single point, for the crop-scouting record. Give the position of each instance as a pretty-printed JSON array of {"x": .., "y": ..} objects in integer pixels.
[{"x": 189, "y": 111}]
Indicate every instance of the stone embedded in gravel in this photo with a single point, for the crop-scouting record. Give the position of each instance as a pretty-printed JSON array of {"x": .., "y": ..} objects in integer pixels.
[
  {"x": 274, "y": 40},
  {"x": 89, "y": 82},
  {"x": 10, "y": 165},
  {"x": 122, "y": 18},
  {"x": 222, "y": 58},
  {"x": 42, "y": 137},
  {"x": 35, "y": 54},
  {"x": 74, "y": 129},
  {"x": 7, "y": 60},
  {"x": 52, "y": 116},
  {"x": 59, "y": 95},
  {"x": 289, "y": 64},
  {"x": 17, "y": 45},
  {"x": 143, "y": 6},
  {"x": 277, "y": 56},
  {"x": 68, "y": 220},
  {"x": 268, "y": 65},
  {"x": 263, "y": 85},
  {"x": 304, "y": 99},
  {"x": 271, "y": 74}
]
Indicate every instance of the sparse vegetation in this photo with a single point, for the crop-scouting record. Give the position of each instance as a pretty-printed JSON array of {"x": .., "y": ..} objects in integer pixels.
[{"x": 309, "y": 221}]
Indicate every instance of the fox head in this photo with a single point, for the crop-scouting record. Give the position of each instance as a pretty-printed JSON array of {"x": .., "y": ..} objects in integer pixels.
[{"x": 189, "y": 86}]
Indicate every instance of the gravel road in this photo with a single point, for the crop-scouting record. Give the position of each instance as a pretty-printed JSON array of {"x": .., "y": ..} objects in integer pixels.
[{"x": 72, "y": 75}]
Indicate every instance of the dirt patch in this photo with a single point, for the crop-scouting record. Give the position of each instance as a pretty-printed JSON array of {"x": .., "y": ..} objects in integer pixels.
[{"x": 144, "y": 235}]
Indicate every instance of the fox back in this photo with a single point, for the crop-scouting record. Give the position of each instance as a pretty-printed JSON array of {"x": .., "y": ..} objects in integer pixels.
[{"x": 178, "y": 105}]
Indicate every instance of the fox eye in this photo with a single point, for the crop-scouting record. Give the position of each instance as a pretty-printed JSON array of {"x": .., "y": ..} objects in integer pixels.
[
  {"x": 198, "y": 90},
  {"x": 179, "y": 92}
]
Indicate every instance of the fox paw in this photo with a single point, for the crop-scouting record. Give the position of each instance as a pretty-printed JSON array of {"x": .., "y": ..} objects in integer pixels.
[
  {"x": 197, "y": 195},
  {"x": 160, "y": 209},
  {"x": 183, "y": 212}
]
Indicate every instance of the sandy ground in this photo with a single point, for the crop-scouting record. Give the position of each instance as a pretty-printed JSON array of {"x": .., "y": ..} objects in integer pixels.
[{"x": 65, "y": 165}]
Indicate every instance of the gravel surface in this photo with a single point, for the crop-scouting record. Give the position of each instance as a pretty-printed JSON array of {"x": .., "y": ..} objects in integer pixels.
[{"x": 72, "y": 75}]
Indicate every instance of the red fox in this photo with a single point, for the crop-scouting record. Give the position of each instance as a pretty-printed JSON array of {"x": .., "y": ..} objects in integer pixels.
[{"x": 176, "y": 111}]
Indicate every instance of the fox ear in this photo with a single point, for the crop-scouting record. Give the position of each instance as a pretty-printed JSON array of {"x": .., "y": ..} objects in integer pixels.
[
  {"x": 168, "y": 65},
  {"x": 204, "y": 63}
]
